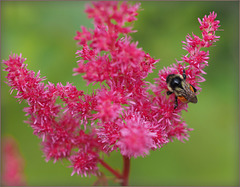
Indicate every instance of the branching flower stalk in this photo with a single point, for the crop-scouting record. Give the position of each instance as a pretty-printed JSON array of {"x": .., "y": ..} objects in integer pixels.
[{"x": 127, "y": 114}]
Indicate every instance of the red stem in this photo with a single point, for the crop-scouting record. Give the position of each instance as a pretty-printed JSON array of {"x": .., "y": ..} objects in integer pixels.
[
  {"x": 109, "y": 168},
  {"x": 126, "y": 168},
  {"x": 125, "y": 175}
]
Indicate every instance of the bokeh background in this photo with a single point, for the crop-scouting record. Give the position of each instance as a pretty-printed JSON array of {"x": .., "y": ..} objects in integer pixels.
[{"x": 43, "y": 32}]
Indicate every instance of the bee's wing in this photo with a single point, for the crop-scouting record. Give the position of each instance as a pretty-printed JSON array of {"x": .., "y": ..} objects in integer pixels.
[
  {"x": 188, "y": 93},
  {"x": 193, "y": 99}
]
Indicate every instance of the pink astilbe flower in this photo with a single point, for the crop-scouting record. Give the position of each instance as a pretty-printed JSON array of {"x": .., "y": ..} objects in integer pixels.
[
  {"x": 109, "y": 105},
  {"x": 59, "y": 126},
  {"x": 41, "y": 99},
  {"x": 109, "y": 133},
  {"x": 85, "y": 160},
  {"x": 196, "y": 59},
  {"x": 12, "y": 164},
  {"x": 136, "y": 138},
  {"x": 84, "y": 163},
  {"x": 60, "y": 142},
  {"x": 127, "y": 113}
]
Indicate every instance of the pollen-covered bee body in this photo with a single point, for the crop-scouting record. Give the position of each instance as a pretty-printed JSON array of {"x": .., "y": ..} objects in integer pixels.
[{"x": 183, "y": 91}]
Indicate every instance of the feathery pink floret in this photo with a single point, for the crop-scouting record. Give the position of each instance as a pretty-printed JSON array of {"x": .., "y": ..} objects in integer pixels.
[
  {"x": 109, "y": 20},
  {"x": 135, "y": 139},
  {"x": 108, "y": 105},
  {"x": 85, "y": 159},
  {"x": 41, "y": 99},
  {"x": 126, "y": 113},
  {"x": 84, "y": 163},
  {"x": 61, "y": 141},
  {"x": 178, "y": 130},
  {"x": 165, "y": 113},
  {"x": 108, "y": 134},
  {"x": 112, "y": 14},
  {"x": 209, "y": 23}
]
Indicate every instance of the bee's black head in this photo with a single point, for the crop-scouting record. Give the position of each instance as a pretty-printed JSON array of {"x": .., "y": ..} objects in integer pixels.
[{"x": 174, "y": 81}]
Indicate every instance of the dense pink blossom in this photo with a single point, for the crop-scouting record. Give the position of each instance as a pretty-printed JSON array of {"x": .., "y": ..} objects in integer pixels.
[
  {"x": 84, "y": 163},
  {"x": 12, "y": 164},
  {"x": 108, "y": 105},
  {"x": 59, "y": 126},
  {"x": 136, "y": 137},
  {"x": 127, "y": 113}
]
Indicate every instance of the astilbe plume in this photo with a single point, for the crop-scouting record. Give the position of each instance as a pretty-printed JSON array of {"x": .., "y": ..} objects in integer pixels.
[{"x": 122, "y": 115}]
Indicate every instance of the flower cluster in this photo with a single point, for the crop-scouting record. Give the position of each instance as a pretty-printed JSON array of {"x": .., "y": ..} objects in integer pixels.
[
  {"x": 196, "y": 59},
  {"x": 127, "y": 113}
]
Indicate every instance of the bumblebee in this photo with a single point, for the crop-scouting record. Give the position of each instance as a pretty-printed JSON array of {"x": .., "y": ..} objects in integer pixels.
[{"x": 183, "y": 91}]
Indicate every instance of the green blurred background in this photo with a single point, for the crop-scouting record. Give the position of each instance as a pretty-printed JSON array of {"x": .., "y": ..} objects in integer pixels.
[{"x": 43, "y": 32}]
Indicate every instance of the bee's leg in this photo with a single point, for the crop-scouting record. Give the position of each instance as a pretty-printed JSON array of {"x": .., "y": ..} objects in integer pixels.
[
  {"x": 169, "y": 92},
  {"x": 184, "y": 74},
  {"x": 176, "y": 102},
  {"x": 195, "y": 90}
]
